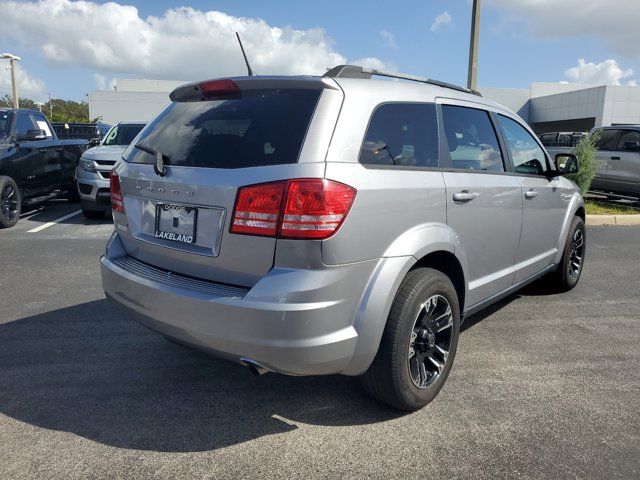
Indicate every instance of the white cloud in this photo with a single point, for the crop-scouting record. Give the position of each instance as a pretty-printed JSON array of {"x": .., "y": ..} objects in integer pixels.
[
  {"x": 615, "y": 22},
  {"x": 441, "y": 21},
  {"x": 607, "y": 72},
  {"x": 102, "y": 83},
  {"x": 183, "y": 43},
  {"x": 388, "y": 38},
  {"x": 28, "y": 86},
  {"x": 375, "y": 63}
]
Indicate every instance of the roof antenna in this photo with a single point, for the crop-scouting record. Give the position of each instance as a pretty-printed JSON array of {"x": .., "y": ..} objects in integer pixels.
[{"x": 246, "y": 60}]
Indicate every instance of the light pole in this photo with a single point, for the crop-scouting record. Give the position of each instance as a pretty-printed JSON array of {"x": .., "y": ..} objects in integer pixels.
[
  {"x": 14, "y": 85},
  {"x": 472, "y": 76}
]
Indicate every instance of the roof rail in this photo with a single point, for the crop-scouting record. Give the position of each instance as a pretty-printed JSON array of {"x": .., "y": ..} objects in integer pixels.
[{"x": 355, "y": 71}]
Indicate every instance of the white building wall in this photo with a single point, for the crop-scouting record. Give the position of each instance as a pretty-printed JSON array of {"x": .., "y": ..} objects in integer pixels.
[
  {"x": 516, "y": 99},
  {"x": 585, "y": 103},
  {"x": 621, "y": 105}
]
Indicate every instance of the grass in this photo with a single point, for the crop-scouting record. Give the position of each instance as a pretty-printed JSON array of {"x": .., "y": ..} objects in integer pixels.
[{"x": 602, "y": 208}]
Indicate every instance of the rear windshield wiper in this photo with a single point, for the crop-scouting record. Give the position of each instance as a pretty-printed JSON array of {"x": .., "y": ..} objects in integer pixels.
[{"x": 160, "y": 158}]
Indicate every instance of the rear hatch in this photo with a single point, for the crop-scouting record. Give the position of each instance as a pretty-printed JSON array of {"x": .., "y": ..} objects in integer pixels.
[{"x": 179, "y": 185}]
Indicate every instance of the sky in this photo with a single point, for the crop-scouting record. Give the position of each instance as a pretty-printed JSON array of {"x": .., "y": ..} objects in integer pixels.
[{"x": 70, "y": 48}]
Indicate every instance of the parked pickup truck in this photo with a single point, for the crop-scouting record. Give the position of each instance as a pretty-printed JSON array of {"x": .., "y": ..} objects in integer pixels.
[
  {"x": 34, "y": 164},
  {"x": 617, "y": 160}
]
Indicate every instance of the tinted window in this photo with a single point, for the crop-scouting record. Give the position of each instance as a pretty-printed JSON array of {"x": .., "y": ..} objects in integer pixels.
[
  {"x": 24, "y": 123},
  {"x": 5, "y": 124},
  {"x": 402, "y": 134},
  {"x": 122, "y": 134},
  {"x": 608, "y": 139},
  {"x": 263, "y": 127},
  {"x": 526, "y": 153},
  {"x": 548, "y": 138},
  {"x": 42, "y": 124},
  {"x": 628, "y": 136},
  {"x": 472, "y": 141}
]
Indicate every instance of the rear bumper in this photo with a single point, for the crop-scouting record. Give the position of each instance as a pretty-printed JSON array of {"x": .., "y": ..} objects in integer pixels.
[{"x": 297, "y": 322}]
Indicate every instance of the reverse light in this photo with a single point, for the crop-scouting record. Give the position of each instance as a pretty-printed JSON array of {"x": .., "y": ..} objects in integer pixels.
[
  {"x": 308, "y": 208},
  {"x": 116, "y": 194}
]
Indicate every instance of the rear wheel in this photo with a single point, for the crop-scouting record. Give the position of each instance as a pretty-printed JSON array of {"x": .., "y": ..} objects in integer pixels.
[
  {"x": 10, "y": 202},
  {"x": 568, "y": 273},
  {"x": 419, "y": 342}
]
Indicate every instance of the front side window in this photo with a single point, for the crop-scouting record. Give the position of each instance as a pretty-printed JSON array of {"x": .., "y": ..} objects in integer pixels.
[
  {"x": 527, "y": 155},
  {"x": 548, "y": 139},
  {"x": 43, "y": 125},
  {"x": 122, "y": 134},
  {"x": 473, "y": 144},
  {"x": 24, "y": 124},
  {"x": 402, "y": 134},
  {"x": 5, "y": 124},
  {"x": 629, "y": 140},
  {"x": 608, "y": 139}
]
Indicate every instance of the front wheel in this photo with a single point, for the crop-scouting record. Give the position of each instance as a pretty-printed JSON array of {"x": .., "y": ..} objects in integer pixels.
[
  {"x": 10, "y": 202},
  {"x": 418, "y": 344},
  {"x": 568, "y": 273}
]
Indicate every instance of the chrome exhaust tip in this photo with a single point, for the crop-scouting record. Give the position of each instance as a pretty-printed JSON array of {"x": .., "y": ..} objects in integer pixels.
[{"x": 254, "y": 367}]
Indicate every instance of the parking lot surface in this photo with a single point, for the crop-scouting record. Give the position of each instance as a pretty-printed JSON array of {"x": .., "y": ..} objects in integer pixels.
[{"x": 543, "y": 386}]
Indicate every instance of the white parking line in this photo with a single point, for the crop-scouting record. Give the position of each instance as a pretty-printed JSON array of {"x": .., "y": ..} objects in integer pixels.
[{"x": 52, "y": 223}]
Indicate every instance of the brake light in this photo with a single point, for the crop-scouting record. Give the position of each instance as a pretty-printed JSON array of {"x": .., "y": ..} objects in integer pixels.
[
  {"x": 116, "y": 195},
  {"x": 219, "y": 89},
  {"x": 312, "y": 208}
]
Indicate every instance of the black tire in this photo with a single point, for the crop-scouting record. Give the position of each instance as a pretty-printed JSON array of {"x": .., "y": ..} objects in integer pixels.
[
  {"x": 566, "y": 275},
  {"x": 92, "y": 214},
  {"x": 10, "y": 202},
  {"x": 390, "y": 379},
  {"x": 72, "y": 193}
]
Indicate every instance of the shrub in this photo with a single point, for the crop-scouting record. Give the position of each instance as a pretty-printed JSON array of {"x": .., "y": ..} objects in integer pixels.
[{"x": 585, "y": 150}]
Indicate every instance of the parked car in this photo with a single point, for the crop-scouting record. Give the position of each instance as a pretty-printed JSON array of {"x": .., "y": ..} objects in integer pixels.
[
  {"x": 96, "y": 164},
  {"x": 35, "y": 165},
  {"x": 92, "y": 132},
  {"x": 336, "y": 224},
  {"x": 561, "y": 139},
  {"x": 617, "y": 160}
]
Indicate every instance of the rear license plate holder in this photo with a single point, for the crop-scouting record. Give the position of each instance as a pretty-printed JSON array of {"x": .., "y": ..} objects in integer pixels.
[{"x": 176, "y": 223}]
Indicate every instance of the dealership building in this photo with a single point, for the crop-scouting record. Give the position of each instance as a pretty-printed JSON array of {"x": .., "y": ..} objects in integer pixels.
[{"x": 547, "y": 107}]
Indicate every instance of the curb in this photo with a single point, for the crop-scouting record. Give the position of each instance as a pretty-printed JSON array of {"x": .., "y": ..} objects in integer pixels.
[{"x": 599, "y": 220}]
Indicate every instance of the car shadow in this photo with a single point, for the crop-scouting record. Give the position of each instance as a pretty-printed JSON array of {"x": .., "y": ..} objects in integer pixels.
[{"x": 89, "y": 370}]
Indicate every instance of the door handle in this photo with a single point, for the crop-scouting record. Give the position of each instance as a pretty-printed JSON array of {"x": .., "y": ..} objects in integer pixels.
[
  {"x": 43, "y": 150},
  {"x": 464, "y": 196},
  {"x": 615, "y": 158},
  {"x": 529, "y": 194},
  {"x": 59, "y": 149}
]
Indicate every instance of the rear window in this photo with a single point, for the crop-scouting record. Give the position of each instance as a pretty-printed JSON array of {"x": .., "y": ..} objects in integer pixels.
[{"x": 263, "y": 127}]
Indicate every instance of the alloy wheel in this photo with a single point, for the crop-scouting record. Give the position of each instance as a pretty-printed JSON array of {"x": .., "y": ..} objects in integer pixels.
[
  {"x": 9, "y": 202},
  {"x": 430, "y": 341},
  {"x": 577, "y": 253}
]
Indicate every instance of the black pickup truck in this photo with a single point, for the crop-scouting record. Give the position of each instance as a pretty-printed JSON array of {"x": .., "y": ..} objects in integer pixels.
[{"x": 35, "y": 165}]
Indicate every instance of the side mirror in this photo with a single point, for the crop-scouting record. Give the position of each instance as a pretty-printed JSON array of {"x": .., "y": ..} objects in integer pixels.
[
  {"x": 631, "y": 146},
  {"x": 32, "y": 135},
  {"x": 567, "y": 163}
]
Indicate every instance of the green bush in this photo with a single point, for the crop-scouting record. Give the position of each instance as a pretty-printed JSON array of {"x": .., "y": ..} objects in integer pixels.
[{"x": 585, "y": 150}]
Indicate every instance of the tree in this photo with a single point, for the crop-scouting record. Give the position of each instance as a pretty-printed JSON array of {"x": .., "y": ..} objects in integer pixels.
[
  {"x": 67, "y": 111},
  {"x": 585, "y": 150}
]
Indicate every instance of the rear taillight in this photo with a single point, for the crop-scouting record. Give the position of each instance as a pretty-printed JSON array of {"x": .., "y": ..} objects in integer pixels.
[
  {"x": 219, "y": 89},
  {"x": 116, "y": 195},
  {"x": 311, "y": 208}
]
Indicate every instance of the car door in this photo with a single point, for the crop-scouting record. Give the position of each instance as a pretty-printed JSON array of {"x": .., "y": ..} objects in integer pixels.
[
  {"x": 605, "y": 149},
  {"x": 484, "y": 202},
  {"x": 29, "y": 157},
  {"x": 623, "y": 173},
  {"x": 544, "y": 201},
  {"x": 51, "y": 150}
]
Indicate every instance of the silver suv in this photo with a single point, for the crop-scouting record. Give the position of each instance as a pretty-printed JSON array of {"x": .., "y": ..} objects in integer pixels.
[{"x": 336, "y": 224}]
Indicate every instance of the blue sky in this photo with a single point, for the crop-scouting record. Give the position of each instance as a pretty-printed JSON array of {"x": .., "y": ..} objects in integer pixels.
[{"x": 69, "y": 49}]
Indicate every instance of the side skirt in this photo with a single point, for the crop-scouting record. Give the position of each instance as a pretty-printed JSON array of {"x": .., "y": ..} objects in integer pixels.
[{"x": 512, "y": 289}]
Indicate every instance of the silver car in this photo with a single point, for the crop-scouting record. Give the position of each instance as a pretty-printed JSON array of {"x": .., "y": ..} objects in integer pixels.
[
  {"x": 336, "y": 224},
  {"x": 95, "y": 165}
]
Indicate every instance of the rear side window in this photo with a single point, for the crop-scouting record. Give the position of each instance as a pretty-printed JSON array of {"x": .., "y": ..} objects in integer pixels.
[
  {"x": 263, "y": 127},
  {"x": 122, "y": 134},
  {"x": 472, "y": 141},
  {"x": 402, "y": 134},
  {"x": 527, "y": 156},
  {"x": 608, "y": 139}
]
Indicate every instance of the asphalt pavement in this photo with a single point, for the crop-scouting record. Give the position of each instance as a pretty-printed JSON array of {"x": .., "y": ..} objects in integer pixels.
[{"x": 543, "y": 385}]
